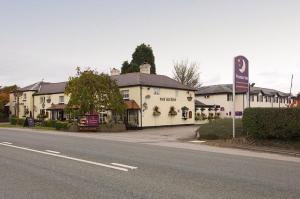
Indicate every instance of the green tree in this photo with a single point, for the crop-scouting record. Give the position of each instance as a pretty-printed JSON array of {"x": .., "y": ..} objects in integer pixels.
[
  {"x": 187, "y": 73},
  {"x": 92, "y": 92},
  {"x": 4, "y": 98},
  {"x": 143, "y": 53}
]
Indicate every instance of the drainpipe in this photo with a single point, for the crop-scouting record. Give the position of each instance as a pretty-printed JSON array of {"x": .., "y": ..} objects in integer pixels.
[{"x": 141, "y": 109}]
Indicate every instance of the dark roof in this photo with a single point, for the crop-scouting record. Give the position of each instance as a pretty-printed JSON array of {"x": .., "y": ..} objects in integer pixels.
[
  {"x": 143, "y": 79},
  {"x": 227, "y": 88},
  {"x": 51, "y": 88},
  {"x": 199, "y": 104},
  {"x": 33, "y": 87},
  {"x": 131, "y": 104}
]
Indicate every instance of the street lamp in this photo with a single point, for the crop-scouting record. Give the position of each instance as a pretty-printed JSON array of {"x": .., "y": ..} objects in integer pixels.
[{"x": 249, "y": 86}]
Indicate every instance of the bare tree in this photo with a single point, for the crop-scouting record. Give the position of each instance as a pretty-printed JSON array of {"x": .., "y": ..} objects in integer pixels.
[{"x": 187, "y": 73}]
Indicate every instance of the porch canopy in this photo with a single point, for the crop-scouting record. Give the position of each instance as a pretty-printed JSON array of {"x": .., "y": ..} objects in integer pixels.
[
  {"x": 131, "y": 105},
  {"x": 199, "y": 104},
  {"x": 57, "y": 107}
]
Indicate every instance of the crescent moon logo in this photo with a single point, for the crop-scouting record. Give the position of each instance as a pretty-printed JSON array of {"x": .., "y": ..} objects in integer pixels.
[{"x": 243, "y": 68}]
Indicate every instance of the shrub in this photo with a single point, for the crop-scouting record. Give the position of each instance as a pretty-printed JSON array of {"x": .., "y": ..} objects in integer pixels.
[
  {"x": 272, "y": 123},
  {"x": 49, "y": 123},
  {"x": 13, "y": 120},
  {"x": 61, "y": 125},
  {"x": 20, "y": 121}
]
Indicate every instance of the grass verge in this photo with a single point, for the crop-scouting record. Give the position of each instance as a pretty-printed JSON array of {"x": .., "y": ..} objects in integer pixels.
[{"x": 219, "y": 129}]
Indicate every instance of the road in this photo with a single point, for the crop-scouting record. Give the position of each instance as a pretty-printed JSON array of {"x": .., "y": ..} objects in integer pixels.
[{"x": 44, "y": 165}]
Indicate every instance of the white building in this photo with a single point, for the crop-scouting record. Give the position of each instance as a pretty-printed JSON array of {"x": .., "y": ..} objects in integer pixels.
[
  {"x": 219, "y": 99},
  {"x": 151, "y": 100}
]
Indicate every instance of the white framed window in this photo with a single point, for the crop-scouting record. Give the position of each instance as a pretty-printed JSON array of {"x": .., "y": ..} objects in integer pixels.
[
  {"x": 24, "y": 96},
  {"x": 42, "y": 100},
  {"x": 102, "y": 117},
  {"x": 61, "y": 99},
  {"x": 156, "y": 91},
  {"x": 125, "y": 94},
  {"x": 229, "y": 97}
]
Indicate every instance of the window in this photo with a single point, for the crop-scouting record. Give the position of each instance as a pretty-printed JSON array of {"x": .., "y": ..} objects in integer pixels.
[
  {"x": 229, "y": 97},
  {"x": 156, "y": 91},
  {"x": 276, "y": 99},
  {"x": 261, "y": 98},
  {"x": 185, "y": 114},
  {"x": 176, "y": 93},
  {"x": 42, "y": 100},
  {"x": 125, "y": 94},
  {"x": 61, "y": 99},
  {"x": 24, "y": 97},
  {"x": 252, "y": 98},
  {"x": 102, "y": 117},
  {"x": 206, "y": 96}
]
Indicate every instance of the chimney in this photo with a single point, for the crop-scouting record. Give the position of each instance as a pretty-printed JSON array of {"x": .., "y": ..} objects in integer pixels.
[
  {"x": 145, "y": 68},
  {"x": 114, "y": 72}
]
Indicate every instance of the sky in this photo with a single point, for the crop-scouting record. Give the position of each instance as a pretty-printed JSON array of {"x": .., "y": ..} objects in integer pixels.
[{"x": 48, "y": 39}]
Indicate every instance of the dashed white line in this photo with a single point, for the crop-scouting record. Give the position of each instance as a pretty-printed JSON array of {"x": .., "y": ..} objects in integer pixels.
[
  {"x": 6, "y": 142},
  {"x": 65, "y": 157},
  {"x": 124, "y": 165},
  {"x": 50, "y": 151},
  {"x": 198, "y": 141}
]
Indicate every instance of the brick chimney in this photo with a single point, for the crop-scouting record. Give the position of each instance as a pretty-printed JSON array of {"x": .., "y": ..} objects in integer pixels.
[
  {"x": 145, "y": 68},
  {"x": 114, "y": 72}
]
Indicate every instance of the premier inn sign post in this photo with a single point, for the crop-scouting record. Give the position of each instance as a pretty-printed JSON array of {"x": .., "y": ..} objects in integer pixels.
[{"x": 240, "y": 81}]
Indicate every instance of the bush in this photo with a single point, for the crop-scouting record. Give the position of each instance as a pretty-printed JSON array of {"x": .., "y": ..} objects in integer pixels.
[
  {"x": 272, "y": 123},
  {"x": 20, "y": 121},
  {"x": 13, "y": 120},
  {"x": 219, "y": 129},
  {"x": 61, "y": 125},
  {"x": 49, "y": 123}
]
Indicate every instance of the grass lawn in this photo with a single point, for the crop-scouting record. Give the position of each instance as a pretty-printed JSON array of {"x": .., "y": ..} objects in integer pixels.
[{"x": 219, "y": 129}]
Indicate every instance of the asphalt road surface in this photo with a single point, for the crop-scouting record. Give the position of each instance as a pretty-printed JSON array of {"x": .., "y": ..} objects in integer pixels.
[{"x": 40, "y": 165}]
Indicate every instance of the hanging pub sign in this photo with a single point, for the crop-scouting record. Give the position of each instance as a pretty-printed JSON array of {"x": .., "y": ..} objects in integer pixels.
[{"x": 241, "y": 74}]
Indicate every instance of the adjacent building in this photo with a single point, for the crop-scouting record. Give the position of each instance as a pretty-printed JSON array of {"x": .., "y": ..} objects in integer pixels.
[{"x": 219, "y": 99}]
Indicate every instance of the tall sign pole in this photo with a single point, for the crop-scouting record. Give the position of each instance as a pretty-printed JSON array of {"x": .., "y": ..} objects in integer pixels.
[{"x": 240, "y": 82}]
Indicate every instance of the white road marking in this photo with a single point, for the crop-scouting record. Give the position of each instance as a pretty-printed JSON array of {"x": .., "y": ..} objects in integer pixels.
[
  {"x": 124, "y": 165},
  {"x": 66, "y": 157},
  {"x": 6, "y": 142},
  {"x": 50, "y": 151},
  {"x": 198, "y": 141}
]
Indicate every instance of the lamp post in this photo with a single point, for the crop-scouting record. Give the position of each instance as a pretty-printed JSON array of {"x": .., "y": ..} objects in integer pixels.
[{"x": 250, "y": 85}]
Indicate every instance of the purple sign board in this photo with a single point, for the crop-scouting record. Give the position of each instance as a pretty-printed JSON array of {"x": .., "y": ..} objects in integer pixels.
[
  {"x": 92, "y": 120},
  {"x": 241, "y": 74}
]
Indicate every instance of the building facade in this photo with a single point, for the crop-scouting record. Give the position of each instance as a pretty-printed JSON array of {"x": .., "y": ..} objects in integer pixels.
[
  {"x": 220, "y": 96},
  {"x": 151, "y": 100}
]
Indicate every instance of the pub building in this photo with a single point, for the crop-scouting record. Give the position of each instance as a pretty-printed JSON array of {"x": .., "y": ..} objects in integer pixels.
[{"x": 151, "y": 100}]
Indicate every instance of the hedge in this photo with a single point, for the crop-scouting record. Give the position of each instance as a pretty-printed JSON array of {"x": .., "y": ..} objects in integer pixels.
[
  {"x": 17, "y": 121},
  {"x": 62, "y": 125},
  {"x": 49, "y": 123},
  {"x": 272, "y": 123}
]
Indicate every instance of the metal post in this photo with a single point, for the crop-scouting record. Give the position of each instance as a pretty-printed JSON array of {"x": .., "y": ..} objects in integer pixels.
[{"x": 233, "y": 100}]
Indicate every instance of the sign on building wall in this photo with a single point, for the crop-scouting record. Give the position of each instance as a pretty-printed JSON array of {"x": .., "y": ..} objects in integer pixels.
[{"x": 241, "y": 74}]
